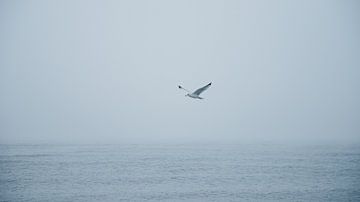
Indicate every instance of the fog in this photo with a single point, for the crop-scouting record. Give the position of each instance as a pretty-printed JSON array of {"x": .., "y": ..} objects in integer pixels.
[{"x": 107, "y": 71}]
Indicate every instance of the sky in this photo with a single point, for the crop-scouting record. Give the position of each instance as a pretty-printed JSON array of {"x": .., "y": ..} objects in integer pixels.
[{"x": 107, "y": 72}]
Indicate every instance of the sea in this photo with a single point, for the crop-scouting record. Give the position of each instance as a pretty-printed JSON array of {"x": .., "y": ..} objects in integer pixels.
[{"x": 180, "y": 172}]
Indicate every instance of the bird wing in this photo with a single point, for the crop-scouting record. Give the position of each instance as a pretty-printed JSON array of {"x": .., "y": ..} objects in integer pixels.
[
  {"x": 200, "y": 90},
  {"x": 183, "y": 89}
]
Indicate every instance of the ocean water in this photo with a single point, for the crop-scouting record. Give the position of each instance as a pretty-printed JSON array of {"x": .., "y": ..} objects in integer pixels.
[{"x": 179, "y": 173}]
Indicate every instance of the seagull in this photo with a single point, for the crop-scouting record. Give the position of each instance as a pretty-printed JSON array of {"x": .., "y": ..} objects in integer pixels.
[{"x": 196, "y": 93}]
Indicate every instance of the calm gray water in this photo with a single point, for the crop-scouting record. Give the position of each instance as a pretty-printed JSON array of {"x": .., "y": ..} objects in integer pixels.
[{"x": 179, "y": 173}]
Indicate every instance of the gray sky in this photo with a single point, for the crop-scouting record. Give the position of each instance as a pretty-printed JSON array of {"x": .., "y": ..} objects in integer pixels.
[{"x": 107, "y": 71}]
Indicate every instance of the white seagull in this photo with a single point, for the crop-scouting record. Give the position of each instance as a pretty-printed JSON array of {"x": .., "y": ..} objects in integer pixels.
[{"x": 196, "y": 93}]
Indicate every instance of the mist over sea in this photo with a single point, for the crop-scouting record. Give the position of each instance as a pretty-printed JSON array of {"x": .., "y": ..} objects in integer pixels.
[{"x": 165, "y": 172}]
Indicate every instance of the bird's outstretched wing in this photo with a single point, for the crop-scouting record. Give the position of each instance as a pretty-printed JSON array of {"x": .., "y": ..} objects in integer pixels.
[
  {"x": 184, "y": 89},
  {"x": 200, "y": 90}
]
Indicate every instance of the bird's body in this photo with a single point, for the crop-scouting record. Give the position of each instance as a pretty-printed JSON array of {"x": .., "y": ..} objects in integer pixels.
[
  {"x": 196, "y": 93},
  {"x": 194, "y": 96}
]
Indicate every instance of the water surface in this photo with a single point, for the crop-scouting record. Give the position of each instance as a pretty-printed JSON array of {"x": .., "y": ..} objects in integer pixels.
[{"x": 179, "y": 173}]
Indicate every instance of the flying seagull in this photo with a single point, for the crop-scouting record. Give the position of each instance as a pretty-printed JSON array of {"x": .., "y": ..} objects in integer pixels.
[{"x": 196, "y": 93}]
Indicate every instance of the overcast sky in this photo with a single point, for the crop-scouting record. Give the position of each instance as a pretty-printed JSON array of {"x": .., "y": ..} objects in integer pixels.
[{"x": 107, "y": 71}]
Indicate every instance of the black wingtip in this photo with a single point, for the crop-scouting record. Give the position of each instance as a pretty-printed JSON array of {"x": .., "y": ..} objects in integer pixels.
[
  {"x": 179, "y": 86},
  {"x": 210, "y": 84}
]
